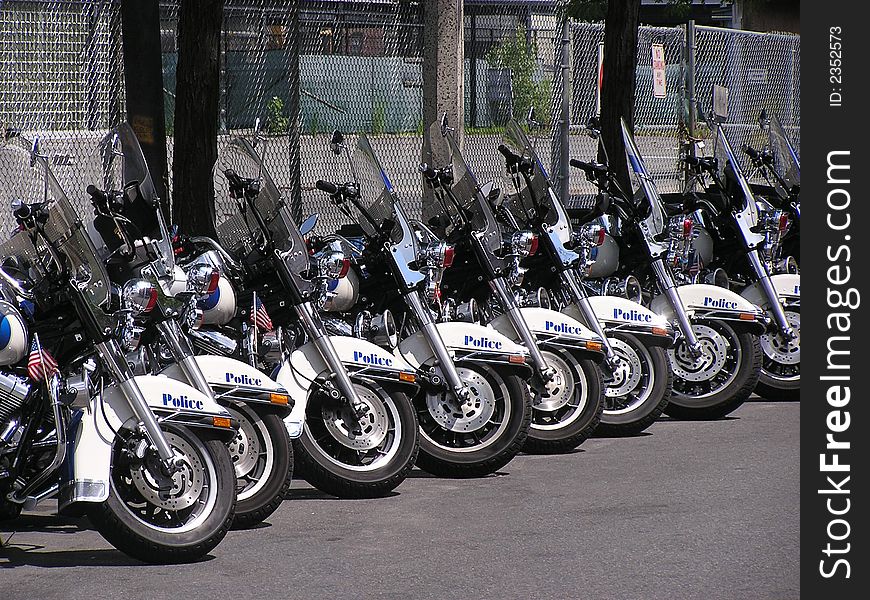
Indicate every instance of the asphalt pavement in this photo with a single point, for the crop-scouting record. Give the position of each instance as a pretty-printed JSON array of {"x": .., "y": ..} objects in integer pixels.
[{"x": 689, "y": 510}]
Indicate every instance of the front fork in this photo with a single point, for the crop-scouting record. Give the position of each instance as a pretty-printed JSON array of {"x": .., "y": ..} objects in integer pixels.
[
  {"x": 512, "y": 310},
  {"x": 113, "y": 359},
  {"x": 182, "y": 353},
  {"x": 317, "y": 333},
  {"x": 445, "y": 361},
  {"x": 669, "y": 288},
  {"x": 578, "y": 294},
  {"x": 785, "y": 329}
]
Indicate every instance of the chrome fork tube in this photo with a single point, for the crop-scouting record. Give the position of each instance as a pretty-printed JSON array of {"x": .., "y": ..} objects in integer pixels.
[
  {"x": 182, "y": 353},
  {"x": 315, "y": 330},
  {"x": 772, "y": 299},
  {"x": 509, "y": 304},
  {"x": 114, "y": 361},
  {"x": 430, "y": 332},
  {"x": 669, "y": 288},
  {"x": 581, "y": 299}
]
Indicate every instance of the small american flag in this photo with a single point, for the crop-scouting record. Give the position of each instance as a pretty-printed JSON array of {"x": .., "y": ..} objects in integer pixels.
[
  {"x": 695, "y": 264},
  {"x": 260, "y": 317},
  {"x": 40, "y": 363}
]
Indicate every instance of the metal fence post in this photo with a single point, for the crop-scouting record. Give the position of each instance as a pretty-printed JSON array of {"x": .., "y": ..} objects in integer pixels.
[
  {"x": 565, "y": 117},
  {"x": 690, "y": 76}
]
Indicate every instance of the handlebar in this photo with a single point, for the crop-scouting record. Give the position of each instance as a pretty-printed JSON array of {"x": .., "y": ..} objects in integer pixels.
[
  {"x": 751, "y": 152},
  {"x": 326, "y": 186}
]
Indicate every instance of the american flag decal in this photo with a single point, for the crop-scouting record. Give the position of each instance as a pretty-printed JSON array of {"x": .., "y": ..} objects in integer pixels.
[
  {"x": 40, "y": 364},
  {"x": 260, "y": 317}
]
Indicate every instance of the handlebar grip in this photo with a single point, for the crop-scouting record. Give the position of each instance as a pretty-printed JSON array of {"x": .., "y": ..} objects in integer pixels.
[
  {"x": 326, "y": 186},
  {"x": 692, "y": 160},
  {"x": 752, "y": 152},
  {"x": 427, "y": 171},
  {"x": 97, "y": 194},
  {"x": 22, "y": 211},
  {"x": 579, "y": 164},
  {"x": 510, "y": 156}
]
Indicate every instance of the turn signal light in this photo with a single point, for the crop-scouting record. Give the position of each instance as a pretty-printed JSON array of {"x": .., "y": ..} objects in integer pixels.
[
  {"x": 409, "y": 377},
  {"x": 517, "y": 359},
  {"x": 597, "y": 346},
  {"x": 222, "y": 422},
  {"x": 747, "y": 317},
  {"x": 279, "y": 399},
  {"x": 659, "y": 331}
]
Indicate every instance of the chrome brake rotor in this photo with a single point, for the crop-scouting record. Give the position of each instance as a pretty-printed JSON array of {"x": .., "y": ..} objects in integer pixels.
[
  {"x": 714, "y": 354},
  {"x": 628, "y": 374},
  {"x": 187, "y": 482},
  {"x": 559, "y": 390},
  {"x": 780, "y": 351},
  {"x": 364, "y": 433},
  {"x": 470, "y": 416},
  {"x": 245, "y": 447}
]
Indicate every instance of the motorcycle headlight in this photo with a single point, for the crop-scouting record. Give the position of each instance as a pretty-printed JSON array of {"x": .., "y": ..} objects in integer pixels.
[
  {"x": 139, "y": 296},
  {"x": 333, "y": 265},
  {"x": 379, "y": 329},
  {"x": 524, "y": 243},
  {"x": 203, "y": 279},
  {"x": 439, "y": 254}
]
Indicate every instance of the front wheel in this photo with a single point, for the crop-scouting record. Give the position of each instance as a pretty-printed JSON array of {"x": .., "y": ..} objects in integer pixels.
[
  {"x": 482, "y": 435},
  {"x": 781, "y": 370},
  {"x": 358, "y": 457},
  {"x": 718, "y": 381},
  {"x": 177, "y": 526},
  {"x": 567, "y": 409},
  {"x": 262, "y": 456},
  {"x": 641, "y": 387}
]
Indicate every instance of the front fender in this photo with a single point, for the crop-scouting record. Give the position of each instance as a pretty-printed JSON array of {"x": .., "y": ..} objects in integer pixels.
[
  {"x": 621, "y": 314},
  {"x": 92, "y": 431},
  {"x": 464, "y": 341},
  {"x": 710, "y": 302},
  {"x": 787, "y": 286},
  {"x": 237, "y": 381},
  {"x": 551, "y": 328},
  {"x": 361, "y": 358}
]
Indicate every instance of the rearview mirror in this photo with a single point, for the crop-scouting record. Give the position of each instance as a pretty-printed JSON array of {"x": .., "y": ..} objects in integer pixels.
[
  {"x": 336, "y": 143},
  {"x": 764, "y": 120},
  {"x": 34, "y": 151},
  {"x": 530, "y": 119},
  {"x": 593, "y": 127},
  {"x": 308, "y": 224},
  {"x": 445, "y": 127}
]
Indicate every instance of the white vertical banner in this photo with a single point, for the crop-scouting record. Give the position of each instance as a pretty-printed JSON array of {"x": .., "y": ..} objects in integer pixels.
[
  {"x": 660, "y": 89},
  {"x": 600, "y": 77}
]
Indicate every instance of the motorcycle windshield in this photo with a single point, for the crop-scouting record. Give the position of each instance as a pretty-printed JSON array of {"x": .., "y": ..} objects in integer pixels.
[
  {"x": 730, "y": 169},
  {"x": 541, "y": 193},
  {"x": 643, "y": 186},
  {"x": 377, "y": 195},
  {"x": 786, "y": 160},
  {"x": 30, "y": 180},
  {"x": 123, "y": 165},
  {"x": 439, "y": 151},
  {"x": 237, "y": 228}
]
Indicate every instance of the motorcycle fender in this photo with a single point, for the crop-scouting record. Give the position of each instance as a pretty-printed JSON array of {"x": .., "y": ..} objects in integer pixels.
[
  {"x": 305, "y": 365},
  {"x": 462, "y": 339},
  {"x": 233, "y": 379},
  {"x": 621, "y": 314},
  {"x": 702, "y": 300},
  {"x": 92, "y": 431},
  {"x": 549, "y": 326},
  {"x": 787, "y": 286}
]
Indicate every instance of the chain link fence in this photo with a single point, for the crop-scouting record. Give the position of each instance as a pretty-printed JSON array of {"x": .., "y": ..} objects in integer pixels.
[{"x": 306, "y": 68}]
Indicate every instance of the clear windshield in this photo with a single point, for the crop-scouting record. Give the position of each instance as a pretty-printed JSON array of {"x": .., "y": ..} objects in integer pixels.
[
  {"x": 730, "y": 169},
  {"x": 238, "y": 229},
  {"x": 29, "y": 179},
  {"x": 643, "y": 184},
  {"x": 124, "y": 164},
  {"x": 377, "y": 194},
  {"x": 786, "y": 161}
]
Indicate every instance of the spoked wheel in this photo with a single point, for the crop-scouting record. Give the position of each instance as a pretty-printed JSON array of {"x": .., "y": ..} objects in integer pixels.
[
  {"x": 358, "y": 457},
  {"x": 181, "y": 524},
  {"x": 641, "y": 387},
  {"x": 781, "y": 370},
  {"x": 566, "y": 409},
  {"x": 483, "y": 434},
  {"x": 263, "y": 460},
  {"x": 718, "y": 381}
]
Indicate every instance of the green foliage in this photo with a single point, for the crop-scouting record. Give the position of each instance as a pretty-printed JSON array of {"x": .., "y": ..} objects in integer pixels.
[
  {"x": 516, "y": 54},
  {"x": 277, "y": 121},
  {"x": 379, "y": 117},
  {"x": 596, "y": 10}
]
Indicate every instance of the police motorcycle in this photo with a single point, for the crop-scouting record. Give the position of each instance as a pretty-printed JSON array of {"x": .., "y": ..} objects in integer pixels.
[
  {"x": 742, "y": 238},
  {"x": 716, "y": 360},
  {"x": 143, "y": 456},
  {"x": 566, "y": 388},
  {"x": 140, "y": 259},
  {"x": 473, "y": 405},
  {"x": 635, "y": 339},
  {"x": 353, "y": 427},
  {"x": 779, "y": 199}
]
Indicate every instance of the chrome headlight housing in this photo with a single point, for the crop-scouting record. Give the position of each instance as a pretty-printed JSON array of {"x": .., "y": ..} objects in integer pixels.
[{"x": 139, "y": 296}]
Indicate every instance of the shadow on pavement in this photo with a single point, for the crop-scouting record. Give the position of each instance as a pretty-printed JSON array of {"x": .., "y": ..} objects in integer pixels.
[
  {"x": 315, "y": 494},
  {"x": 45, "y": 523}
]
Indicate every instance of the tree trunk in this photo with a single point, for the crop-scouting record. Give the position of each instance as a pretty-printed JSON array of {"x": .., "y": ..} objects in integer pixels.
[
  {"x": 617, "y": 88},
  {"x": 196, "y": 115}
]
